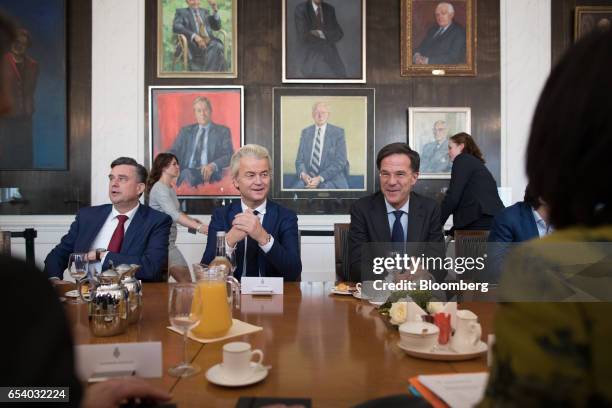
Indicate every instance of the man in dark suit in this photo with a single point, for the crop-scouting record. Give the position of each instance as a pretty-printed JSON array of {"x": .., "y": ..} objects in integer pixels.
[
  {"x": 396, "y": 213},
  {"x": 206, "y": 51},
  {"x": 203, "y": 149},
  {"x": 125, "y": 232},
  {"x": 268, "y": 231},
  {"x": 321, "y": 159},
  {"x": 520, "y": 222},
  {"x": 318, "y": 32},
  {"x": 445, "y": 41}
]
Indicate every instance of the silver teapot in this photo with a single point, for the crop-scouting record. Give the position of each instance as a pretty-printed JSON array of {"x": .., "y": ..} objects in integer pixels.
[
  {"x": 108, "y": 304},
  {"x": 134, "y": 287}
]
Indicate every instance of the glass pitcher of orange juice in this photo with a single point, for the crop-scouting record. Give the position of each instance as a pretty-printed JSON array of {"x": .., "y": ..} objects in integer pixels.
[{"x": 214, "y": 300}]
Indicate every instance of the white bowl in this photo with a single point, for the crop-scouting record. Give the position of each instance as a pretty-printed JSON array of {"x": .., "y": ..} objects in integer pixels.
[{"x": 419, "y": 335}]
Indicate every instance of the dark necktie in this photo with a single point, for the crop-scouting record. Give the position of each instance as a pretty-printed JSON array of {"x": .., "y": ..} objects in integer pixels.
[
  {"x": 319, "y": 18},
  {"x": 117, "y": 239},
  {"x": 397, "y": 234},
  {"x": 315, "y": 160},
  {"x": 251, "y": 260},
  {"x": 196, "y": 161}
]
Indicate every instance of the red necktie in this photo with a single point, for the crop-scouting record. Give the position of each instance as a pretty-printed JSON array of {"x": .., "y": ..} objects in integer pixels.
[
  {"x": 117, "y": 239},
  {"x": 319, "y": 18}
]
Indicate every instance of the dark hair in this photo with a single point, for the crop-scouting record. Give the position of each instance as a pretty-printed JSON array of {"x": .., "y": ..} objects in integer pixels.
[
  {"x": 568, "y": 154},
  {"x": 531, "y": 197},
  {"x": 399, "y": 148},
  {"x": 469, "y": 144},
  {"x": 141, "y": 171},
  {"x": 161, "y": 161}
]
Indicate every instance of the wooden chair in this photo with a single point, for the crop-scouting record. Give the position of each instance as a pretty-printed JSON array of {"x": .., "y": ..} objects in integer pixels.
[
  {"x": 181, "y": 53},
  {"x": 470, "y": 243},
  {"x": 5, "y": 243},
  {"x": 341, "y": 246}
]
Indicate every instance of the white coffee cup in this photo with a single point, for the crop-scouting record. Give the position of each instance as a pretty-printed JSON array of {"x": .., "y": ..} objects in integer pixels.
[{"x": 237, "y": 360}]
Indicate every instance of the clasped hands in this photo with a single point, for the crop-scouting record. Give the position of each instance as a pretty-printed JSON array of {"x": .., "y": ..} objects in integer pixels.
[
  {"x": 246, "y": 224},
  {"x": 310, "y": 182},
  {"x": 207, "y": 171},
  {"x": 420, "y": 59}
]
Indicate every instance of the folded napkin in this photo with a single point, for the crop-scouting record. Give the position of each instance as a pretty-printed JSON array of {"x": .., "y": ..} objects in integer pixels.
[{"x": 239, "y": 328}]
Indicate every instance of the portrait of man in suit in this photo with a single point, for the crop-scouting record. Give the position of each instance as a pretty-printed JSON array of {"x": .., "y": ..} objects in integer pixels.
[
  {"x": 434, "y": 158},
  {"x": 205, "y": 49},
  {"x": 16, "y": 137},
  {"x": 318, "y": 31},
  {"x": 445, "y": 41},
  {"x": 321, "y": 161},
  {"x": 204, "y": 148}
]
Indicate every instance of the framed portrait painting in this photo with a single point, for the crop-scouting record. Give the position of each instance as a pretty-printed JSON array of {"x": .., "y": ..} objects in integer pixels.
[
  {"x": 202, "y": 126},
  {"x": 429, "y": 130},
  {"x": 324, "y": 41},
  {"x": 323, "y": 142},
  {"x": 33, "y": 136},
  {"x": 590, "y": 18},
  {"x": 197, "y": 39},
  {"x": 438, "y": 38}
]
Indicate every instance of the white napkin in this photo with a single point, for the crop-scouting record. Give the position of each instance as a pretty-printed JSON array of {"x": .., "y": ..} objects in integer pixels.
[
  {"x": 414, "y": 313},
  {"x": 239, "y": 328}
]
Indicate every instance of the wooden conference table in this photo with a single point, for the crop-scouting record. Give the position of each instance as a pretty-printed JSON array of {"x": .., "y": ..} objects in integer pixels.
[{"x": 336, "y": 350}]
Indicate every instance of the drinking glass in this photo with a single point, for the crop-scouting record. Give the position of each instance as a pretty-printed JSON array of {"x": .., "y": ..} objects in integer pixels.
[
  {"x": 78, "y": 266},
  {"x": 184, "y": 315}
]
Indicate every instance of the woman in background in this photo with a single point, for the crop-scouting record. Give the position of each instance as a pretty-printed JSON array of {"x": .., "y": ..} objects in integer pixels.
[
  {"x": 548, "y": 352},
  {"x": 162, "y": 197},
  {"x": 472, "y": 194}
]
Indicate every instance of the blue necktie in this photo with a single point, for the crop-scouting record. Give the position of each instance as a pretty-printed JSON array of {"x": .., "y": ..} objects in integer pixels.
[
  {"x": 397, "y": 235},
  {"x": 251, "y": 256}
]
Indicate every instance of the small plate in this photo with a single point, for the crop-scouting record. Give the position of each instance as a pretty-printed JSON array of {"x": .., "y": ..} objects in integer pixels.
[
  {"x": 444, "y": 353},
  {"x": 341, "y": 292},
  {"x": 75, "y": 294},
  {"x": 215, "y": 375},
  {"x": 375, "y": 303},
  {"x": 360, "y": 295}
]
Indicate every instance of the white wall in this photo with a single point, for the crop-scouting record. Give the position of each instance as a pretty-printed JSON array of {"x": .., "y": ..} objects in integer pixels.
[
  {"x": 118, "y": 126},
  {"x": 525, "y": 64}
]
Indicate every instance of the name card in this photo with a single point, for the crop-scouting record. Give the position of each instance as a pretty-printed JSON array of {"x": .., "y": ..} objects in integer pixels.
[
  {"x": 253, "y": 285},
  {"x": 99, "y": 362}
]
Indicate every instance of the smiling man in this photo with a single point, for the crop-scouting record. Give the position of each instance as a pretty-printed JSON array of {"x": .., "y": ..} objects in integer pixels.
[
  {"x": 124, "y": 232},
  {"x": 395, "y": 214},
  {"x": 263, "y": 233},
  {"x": 204, "y": 148}
]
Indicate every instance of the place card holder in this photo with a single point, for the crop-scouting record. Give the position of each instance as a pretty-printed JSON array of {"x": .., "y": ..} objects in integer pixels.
[{"x": 261, "y": 286}]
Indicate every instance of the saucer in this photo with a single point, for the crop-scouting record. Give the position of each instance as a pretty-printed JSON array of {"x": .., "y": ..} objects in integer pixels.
[
  {"x": 215, "y": 375},
  {"x": 75, "y": 294},
  {"x": 375, "y": 303},
  {"x": 444, "y": 352},
  {"x": 360, "y": 296}
]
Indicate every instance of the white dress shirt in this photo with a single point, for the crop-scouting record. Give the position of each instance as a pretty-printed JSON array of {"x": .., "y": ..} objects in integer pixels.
[{"x": 106, "y": 232}]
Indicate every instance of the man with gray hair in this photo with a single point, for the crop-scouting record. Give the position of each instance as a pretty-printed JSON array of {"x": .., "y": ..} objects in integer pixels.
[
  {"x": 202, "y": 149},
  {"x": 434, "y": 158},
  {"x": 445, "y": 41},
  {"x": 321, "y": 160},
  {"x": 263, "y": 233}
]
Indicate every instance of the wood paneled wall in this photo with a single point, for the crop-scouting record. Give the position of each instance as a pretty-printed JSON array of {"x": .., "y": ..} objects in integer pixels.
[{"x": 259, "y": 70}]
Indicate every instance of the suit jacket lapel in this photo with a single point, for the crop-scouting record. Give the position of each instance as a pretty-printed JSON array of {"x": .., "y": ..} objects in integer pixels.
[
  {"x": 415, "y": 220},
  {"x": 135, "y": 228},
  {"x": 380, "y": 219}
]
